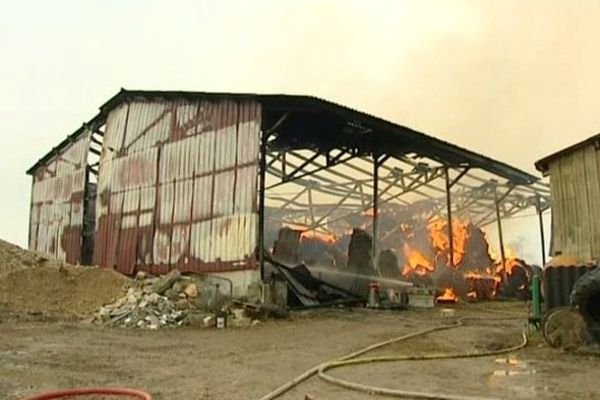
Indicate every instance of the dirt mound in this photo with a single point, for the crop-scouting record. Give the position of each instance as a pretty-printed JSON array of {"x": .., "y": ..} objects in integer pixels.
[
  {"x": 64, "y": 290},
  {"x": 13, "y": 258}
]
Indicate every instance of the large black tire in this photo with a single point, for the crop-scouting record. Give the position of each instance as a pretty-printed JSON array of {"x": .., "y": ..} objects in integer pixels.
[{"x": 586, "y": 297}]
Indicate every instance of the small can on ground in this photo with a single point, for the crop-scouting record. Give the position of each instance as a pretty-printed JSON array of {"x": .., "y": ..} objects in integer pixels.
[{"x": 221, "y": 319}]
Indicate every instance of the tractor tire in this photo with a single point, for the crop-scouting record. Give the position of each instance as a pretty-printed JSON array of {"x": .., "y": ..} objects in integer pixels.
[
  {"x": 586, "y": 297},
  {"x": 565, "y": 328}
]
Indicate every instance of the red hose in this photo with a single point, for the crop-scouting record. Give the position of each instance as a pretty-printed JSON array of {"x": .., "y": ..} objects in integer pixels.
[{"x": 57, "y": 394}]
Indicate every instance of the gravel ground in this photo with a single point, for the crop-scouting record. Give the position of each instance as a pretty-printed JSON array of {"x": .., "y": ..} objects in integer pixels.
[{"x": 246, "y": 363}]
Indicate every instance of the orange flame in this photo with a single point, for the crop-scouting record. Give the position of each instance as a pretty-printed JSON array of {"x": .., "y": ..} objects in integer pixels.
[
  {"x": 313, "y": 234},
  {"x": 416, "y": 261},
  {"x": 325, "y": 237},
  {"x": 438, "y": 233},
  {"x": 448, "y": 295}
]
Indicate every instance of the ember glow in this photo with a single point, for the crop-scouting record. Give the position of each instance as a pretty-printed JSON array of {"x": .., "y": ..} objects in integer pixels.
[
  {"x": 448, "y": 295},
  {"x": 416, "y": 261},
  {"x": 325, "y": 237},
  {"x": 314, "y": 234}
]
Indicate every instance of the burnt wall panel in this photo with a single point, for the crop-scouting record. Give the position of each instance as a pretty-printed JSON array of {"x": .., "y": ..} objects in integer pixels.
[
  {"x": 56, "y": 223},
  {"x": 177, "y": 186}
]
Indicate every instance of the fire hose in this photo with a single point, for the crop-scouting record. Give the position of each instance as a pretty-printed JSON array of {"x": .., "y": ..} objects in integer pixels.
[
  {"x": 351, "y": 359},
  {"x": 117, "y": 391}
]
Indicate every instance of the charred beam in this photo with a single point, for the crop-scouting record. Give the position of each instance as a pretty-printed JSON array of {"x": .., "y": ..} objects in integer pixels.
[
  {"x": 261, "y": 202},
  {"x": 500, "y": 237},
  {"x": 274, "y": 159},
  {"x": 310, "y": 205},
  {"x": 277, "y": 124},
  {"x": 96, "y": 141},
  {"x": 437, "y": 175},
  {"x": 318, "y": 223},
  {"x": 497, "y": 200},
  {"x": 295, "y": 175},
  {"x": 449, "y": 216},
  {"x": 287, "y": 202},
  {"x": 376, "y": 163},
  {"x": 540, "y": 212},
  {"x": 460, "y": 175}
]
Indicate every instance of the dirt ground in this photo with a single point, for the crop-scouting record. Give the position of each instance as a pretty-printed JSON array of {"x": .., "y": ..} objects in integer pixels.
[{"x": 246, "y": 363}]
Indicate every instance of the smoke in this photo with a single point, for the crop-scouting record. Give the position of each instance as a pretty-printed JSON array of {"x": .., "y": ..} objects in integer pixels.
[
  {"x": 521, "y": 237},
  {"x": 511, "y": 79}
]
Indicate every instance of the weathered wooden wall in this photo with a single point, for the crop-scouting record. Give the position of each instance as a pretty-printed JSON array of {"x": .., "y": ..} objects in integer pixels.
[{"x": 575, "y": 185}]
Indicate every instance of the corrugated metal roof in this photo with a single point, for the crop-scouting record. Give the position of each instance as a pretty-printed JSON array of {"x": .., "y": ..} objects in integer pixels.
[
  {"x": 382, "y": 131},
  {"x": 542, "y": 165}
]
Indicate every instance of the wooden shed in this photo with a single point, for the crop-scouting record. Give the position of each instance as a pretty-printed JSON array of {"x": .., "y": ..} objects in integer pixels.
[{"x": 575, "y": 188}]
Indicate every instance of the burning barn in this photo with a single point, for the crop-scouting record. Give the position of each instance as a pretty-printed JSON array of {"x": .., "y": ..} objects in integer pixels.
[{"x": 204, "y": 182}]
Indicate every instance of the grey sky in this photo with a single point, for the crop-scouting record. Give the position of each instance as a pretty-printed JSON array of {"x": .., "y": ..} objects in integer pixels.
[{"x": 512, "y": 79}]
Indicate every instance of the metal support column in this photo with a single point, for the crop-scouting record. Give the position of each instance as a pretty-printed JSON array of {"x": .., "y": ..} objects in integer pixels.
[
  {"x": 375, "y": 206},
  {"x": 261, "y": 203},
  {"x": 449, "y": 212},
  {"x": 542, "y": 236},
  {"x": 500, "y": 237}
]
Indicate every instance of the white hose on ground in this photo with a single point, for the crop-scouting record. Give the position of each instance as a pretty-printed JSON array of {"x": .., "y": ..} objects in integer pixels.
[
  {"x": 347, "y": 360},
  {"x": 405, "y": 393}
]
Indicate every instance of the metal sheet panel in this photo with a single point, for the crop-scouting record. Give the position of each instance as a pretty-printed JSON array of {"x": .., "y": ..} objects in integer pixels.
[
  {"x": 56, "y": 222},
  {"x": 557, "y": 283},
  {"x": 182, "y": 183}
]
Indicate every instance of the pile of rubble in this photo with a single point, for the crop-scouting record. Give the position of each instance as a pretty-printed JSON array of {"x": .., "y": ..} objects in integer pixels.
[
  {"x": 142, "y": 310},
  {"x": 154, "y": 302}
]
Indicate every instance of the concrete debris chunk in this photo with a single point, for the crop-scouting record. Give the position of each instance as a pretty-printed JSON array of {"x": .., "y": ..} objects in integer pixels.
[{"x": 166, "y": 281}]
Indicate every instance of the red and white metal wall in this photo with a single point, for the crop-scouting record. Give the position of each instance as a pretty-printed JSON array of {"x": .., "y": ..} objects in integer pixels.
[{"x": 177, "y": 187}]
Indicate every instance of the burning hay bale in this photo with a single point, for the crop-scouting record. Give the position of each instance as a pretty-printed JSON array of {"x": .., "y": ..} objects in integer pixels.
[
  {"x": 481, "y": 287},
  {"x": 360, "y": 262},
  {"x": 285, "y": 248},
  {"x": 387, "y": 264},
  {"x": 515, "y": 279},
  {"x": 316, "y": 252}
]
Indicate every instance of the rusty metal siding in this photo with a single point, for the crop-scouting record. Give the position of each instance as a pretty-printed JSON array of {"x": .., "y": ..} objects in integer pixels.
[
  {"x": 575, "y": 190},
  {"x": 177, "y": 186},
  {"x": 56, "y": 222}
]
